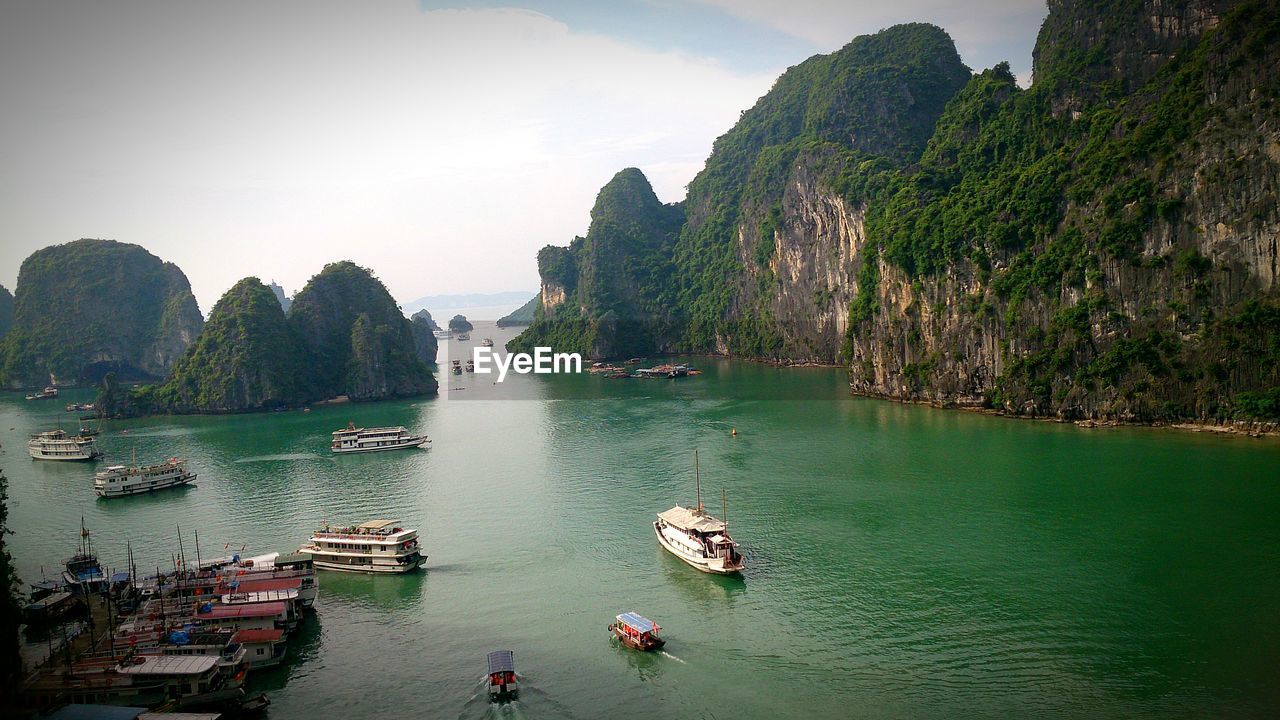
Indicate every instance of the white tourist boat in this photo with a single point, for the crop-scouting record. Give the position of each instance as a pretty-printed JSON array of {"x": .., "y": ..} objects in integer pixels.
[
  {"x": 119, "y": 480},
  {"x": 358, "y": 440},
  {"x": 698, "y": 538},
  {"x": 58, "y": 445},
  {"x": 378, "y": 546},
  {"x": 486, "y": 343}
]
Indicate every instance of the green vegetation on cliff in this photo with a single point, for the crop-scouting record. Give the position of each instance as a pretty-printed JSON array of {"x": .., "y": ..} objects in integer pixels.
[
  {"x": 424, "y": 339},
  {"x": 6, "y": 311},
  {"x": 90, "y": 306},
  {"x": 358, "y": 342},
  {"x": 1100, "y": 245},
  {"x": 247, "y": 358},
  {"x": 10, "y": 608},
  {"x": 523, "y": 315},
  {"x": 613, "y": 285}
]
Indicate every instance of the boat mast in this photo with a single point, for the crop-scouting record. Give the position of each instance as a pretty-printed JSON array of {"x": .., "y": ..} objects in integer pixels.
[
  {"x": 697, "y": 479},
  {"x": 724, "y": 512}
]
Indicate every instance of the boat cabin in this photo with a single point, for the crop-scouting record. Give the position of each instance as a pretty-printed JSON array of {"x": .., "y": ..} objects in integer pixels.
[
  {"x": 637, "y": 631},
  {"x": 503, "y": 683}
]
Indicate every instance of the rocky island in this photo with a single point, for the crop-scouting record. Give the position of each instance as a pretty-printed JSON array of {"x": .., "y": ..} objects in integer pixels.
[{"x": 1101, "y": 245}]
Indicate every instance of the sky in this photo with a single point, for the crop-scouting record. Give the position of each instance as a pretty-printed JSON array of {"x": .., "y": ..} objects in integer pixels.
[{"x": 440, "y": 144}]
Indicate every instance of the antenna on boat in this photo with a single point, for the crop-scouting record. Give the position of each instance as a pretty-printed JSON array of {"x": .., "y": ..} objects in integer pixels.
[
  {"x": 197, "y": 532},
  {"x": 697, "y": 479},
  {"x": 724, "y": 511}
]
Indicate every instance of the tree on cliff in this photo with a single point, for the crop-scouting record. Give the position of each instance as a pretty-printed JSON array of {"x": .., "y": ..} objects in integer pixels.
[{"x": 10, "y": 607}]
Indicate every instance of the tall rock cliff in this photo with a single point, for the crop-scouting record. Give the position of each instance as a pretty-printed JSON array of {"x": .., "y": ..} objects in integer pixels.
[
  {"x": 91, "y": 306},
  {"x": 6, "y": 311},
  {"x": 424, "y": 339},
  {"x": 1101, "y": 245},
  {"x": 247, "y": 358},
  {"x": 608, "y": 293},
  {"x": 359, "y": 342}
]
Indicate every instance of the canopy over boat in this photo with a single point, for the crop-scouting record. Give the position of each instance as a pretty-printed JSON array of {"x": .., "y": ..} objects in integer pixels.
[
  {"x": 687, "y": 519},
  {"x": 501, "y": 661},
  {"x": 376, "y": 524},
  {"x": 639, "y": 623}
]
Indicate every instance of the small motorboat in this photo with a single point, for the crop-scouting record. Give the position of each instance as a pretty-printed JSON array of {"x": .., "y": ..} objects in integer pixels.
[
  {"x": 637, "y": 631},
  {"x": 48, "y": 393},
  {"x": 503, "y": 684},
  {"x": 486, "y": 343}
]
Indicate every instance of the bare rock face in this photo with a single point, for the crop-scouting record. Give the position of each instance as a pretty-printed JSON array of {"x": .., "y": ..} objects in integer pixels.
[{"x": 94, "y": 306}]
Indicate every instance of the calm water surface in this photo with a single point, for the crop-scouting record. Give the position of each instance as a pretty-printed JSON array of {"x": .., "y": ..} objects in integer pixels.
[{"x": 904, "y": 562}]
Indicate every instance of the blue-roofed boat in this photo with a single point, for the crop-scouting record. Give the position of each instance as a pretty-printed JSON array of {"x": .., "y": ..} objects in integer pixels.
[
  {"x": 503, "y": 684},
  {"x": 83, "y": 573},
  {"x": 637, "y": 631}
]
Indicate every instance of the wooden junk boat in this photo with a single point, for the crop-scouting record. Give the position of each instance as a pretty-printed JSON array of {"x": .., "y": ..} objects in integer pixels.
[
  {"x": 503, "y": 684},
  {"x": 637, "y": 631}
]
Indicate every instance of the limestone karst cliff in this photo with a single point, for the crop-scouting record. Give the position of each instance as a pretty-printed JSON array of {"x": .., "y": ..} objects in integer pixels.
[{"x": 1102, "y": 244}]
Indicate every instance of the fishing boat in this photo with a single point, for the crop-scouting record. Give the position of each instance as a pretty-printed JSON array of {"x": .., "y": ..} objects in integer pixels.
[
  {"x": 377, "y": 546},
  {"x": 58, "y": 445},
  {"x": 637, "y": 631},
  {"x": 82, "y": 572},
  {"x": 697, "y": 538},
  {"x": 486, "y": 343},
  {"x": 51, "y": 608},
  {"x": 358, "y": 440},
  {"x": 48, "y": 393},
  {"x": 118, "y": 480},
  {"x": 503, "y": 683}
]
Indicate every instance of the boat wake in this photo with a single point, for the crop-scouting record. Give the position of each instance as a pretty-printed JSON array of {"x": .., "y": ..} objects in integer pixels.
[
  {"x": 666, "y": 654},
  {"x": 281, "y": 456}
]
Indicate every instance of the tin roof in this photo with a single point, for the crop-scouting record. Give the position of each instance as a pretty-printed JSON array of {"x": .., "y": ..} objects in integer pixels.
[
  {"x": 169, "y": 665},
  {"x": 639, "y": 623},
  {"x": 258, "y": 635},
  {"x": 265, "y": 584},
  {"x": 377, "y": 524},
  {"x": 217, "y": 612},
  {"x": 502, "y": 661},
  {"x": 687, "y": 519}
]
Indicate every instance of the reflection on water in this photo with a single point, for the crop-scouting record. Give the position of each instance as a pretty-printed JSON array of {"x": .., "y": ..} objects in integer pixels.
[{"x": 941, "y": 564}]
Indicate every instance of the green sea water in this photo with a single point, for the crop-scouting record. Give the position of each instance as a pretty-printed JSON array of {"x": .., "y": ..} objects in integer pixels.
[{"x": 904, "y": 562}]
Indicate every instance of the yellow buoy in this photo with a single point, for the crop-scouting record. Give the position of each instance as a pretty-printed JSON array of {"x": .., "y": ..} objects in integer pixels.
[{"x": 735, "y": 432}]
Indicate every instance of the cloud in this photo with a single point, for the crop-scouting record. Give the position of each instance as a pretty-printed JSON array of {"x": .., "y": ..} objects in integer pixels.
[{"x": 440, "y": 148}]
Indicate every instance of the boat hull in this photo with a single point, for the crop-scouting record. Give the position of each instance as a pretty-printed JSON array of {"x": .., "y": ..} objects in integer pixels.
[
  {"x": 413, "y": 443},
  {"x": 367, "y": 569},
  {"x": 165, "y": 485},
  {"x": 636, "y": 644},
  {"x": 713, "y": 566}
]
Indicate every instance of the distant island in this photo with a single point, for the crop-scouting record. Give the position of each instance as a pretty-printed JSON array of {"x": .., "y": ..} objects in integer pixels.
[{"x": 467, "y": 300}]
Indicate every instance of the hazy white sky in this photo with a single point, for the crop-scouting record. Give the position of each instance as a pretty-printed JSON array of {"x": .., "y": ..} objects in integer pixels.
[{"x": 438, "y": 143}]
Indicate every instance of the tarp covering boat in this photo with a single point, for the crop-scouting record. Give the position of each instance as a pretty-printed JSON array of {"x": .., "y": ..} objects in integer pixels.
[
  {"x": 687, "y": 519},
  {"x": 501, "y": 661},
  {"x": 639, "y": 623}
]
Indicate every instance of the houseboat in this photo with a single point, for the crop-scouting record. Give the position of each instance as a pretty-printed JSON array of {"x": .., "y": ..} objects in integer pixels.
[
  {"x": 48, "y": 393},
  {"x": 263, "y": 648},
  {"x": 637, "y": 631},
  {"x": 358, "y": 440},
  {"x": 118, "y": 480},
  {"x": 503, "y": 683},
  {"x": 58, "y": 445},
  {"x": 378, "y": 546},
  {"x": 697, "y": 538},
  {"x": 138, "y": 680},
  {"x": 441, "y": 334},
  {"x": 82, "y": 573}
]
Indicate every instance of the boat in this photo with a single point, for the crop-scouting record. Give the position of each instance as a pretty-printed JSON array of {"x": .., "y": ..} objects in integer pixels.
[
  {"x": 118, "y": 480},
  {"x": 464, "y": 336},
  {"x": 357, "y": 440},
  {"x": 471, "y": 366},
  {"x": 79, "y": 407},
  {"x": 48, "y": 393},
  {"x": 440, "y": 334},
  {"x": 82, "y": 572},
  {"x": 174, "y": 681},
  {"x": 637, "y": 631},
  {"x": 377, "y": 546},
  {"x": 503, "y": 682},
  {"x": 58, "y": 445},
  {"x": 457, "y": 367},
  {"x": 51, "y": 608},
  {"x": 486, "y": 343},
  {"x": 697, "y": 538}
]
